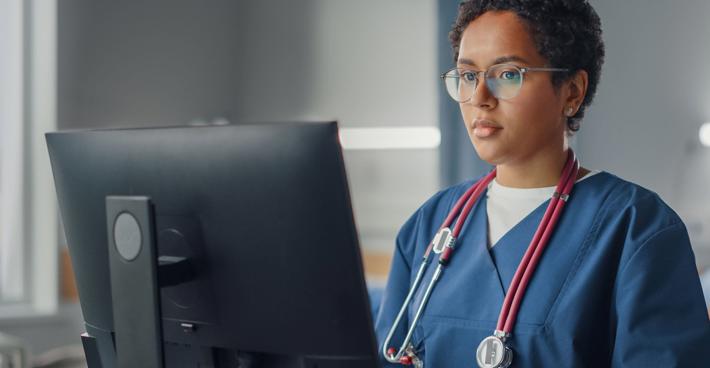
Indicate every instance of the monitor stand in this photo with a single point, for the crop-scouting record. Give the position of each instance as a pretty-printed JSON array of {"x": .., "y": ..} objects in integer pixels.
[
  {"x": 137, "y": 274},
  {"x": 134, "y": 281}
]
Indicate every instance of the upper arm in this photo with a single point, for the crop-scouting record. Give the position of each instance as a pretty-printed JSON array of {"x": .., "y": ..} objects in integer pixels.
[{"x": 661, "y": 318}]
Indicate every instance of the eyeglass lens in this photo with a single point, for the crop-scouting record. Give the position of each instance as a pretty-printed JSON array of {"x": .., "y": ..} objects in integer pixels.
[{"x": 503, "y": 81}]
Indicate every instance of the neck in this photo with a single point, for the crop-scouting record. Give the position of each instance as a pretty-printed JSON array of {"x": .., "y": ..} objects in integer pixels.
[{"x": 544, "y": 169}]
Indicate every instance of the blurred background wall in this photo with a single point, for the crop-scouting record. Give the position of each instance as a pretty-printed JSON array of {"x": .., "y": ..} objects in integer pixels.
[
  {"x": 167, "y": 62},
  {"x": 370, "y": 64},
  {"x": 653, "y": 97}
]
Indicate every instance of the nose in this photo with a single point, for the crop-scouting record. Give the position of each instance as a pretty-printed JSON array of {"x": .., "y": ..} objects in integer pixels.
[{"x": 482, "y": 96}]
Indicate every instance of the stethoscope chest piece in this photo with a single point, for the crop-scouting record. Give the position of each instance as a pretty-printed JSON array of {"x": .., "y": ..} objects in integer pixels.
[{"x": 493, "y": 353}]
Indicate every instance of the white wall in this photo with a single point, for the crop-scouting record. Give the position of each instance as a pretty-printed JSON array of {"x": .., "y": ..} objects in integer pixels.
[
  {"x": 375, "y": 65},
  {"x": 652, "y": 99},
  {"x": 169, "y": 62}
]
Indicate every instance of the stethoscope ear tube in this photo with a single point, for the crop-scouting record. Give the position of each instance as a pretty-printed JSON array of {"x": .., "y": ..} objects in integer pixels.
[
  {"x": 387, "y": 352},
  {"x": 391, "y": 354},
  {"x": 466, "y": 201}
]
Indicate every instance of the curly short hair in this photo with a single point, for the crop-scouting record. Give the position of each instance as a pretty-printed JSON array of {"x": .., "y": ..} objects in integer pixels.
[{"x": 566, "y": 32}]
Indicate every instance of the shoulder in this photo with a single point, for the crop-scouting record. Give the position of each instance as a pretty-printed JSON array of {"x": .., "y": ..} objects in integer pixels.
[
  {"x": 440, "y": 202},
  {"x": 631, "y": 215},
  {"x": 634, "y": 201},
  {"x": 421, "y": 226},
  {"x": 445, "y": 198}
]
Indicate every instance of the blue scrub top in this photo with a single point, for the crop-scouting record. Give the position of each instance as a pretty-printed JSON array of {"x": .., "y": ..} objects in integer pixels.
[{"x": 617, "y": 285}]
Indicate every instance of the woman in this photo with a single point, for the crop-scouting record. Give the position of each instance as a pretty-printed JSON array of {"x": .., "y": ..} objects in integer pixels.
[{"x": 616, "y": 284}]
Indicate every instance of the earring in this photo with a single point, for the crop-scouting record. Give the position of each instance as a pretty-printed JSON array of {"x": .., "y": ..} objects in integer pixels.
[{"x": 570, "y": 111}]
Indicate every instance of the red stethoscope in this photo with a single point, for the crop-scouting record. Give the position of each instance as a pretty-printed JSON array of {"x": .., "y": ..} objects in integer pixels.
[{"x": 492, "y": 352}]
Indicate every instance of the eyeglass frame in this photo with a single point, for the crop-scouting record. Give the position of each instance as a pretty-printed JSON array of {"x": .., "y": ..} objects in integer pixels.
[{"x": 523, "y": 71}]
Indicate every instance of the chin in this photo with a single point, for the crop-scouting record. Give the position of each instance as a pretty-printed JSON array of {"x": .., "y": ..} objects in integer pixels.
[{"x": 488, "y": 152}]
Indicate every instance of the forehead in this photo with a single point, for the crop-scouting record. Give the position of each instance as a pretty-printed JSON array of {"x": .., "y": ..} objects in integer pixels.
[{"x": 497, "y": 34}]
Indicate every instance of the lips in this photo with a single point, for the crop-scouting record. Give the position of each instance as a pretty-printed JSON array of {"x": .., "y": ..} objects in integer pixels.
[{"x": 483, "y": 128}]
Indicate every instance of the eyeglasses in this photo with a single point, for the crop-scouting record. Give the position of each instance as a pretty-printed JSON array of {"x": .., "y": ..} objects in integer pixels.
[{"x": 503, "y": 80}]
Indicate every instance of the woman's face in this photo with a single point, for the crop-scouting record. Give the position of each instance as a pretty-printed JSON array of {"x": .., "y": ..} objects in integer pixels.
[{"x": 533, "y": 122}]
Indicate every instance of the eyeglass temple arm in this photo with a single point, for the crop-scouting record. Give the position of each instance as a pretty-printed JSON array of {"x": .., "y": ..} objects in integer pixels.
[{"x": 526, "y": 69}]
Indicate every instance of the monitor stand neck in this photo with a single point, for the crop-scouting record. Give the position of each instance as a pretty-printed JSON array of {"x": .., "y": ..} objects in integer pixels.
[{"x": 135, "y": 289}]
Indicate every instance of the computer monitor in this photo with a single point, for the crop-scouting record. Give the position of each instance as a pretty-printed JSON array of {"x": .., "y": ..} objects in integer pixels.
[{"x": 261, "y": 217}]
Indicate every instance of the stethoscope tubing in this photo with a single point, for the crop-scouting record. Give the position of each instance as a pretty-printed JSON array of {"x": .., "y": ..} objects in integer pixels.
[{"x": 523, "y": 274}]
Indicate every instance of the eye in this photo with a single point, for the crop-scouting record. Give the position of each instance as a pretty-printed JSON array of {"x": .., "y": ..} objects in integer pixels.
[
  {"x": 468, "y": 76},
  {"x": 508, "y": 75}
]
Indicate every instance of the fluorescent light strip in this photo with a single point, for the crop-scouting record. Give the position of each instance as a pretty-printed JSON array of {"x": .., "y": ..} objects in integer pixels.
[
  {"x": 705, "y": 134},
  {"x": 390, "y": 138}
]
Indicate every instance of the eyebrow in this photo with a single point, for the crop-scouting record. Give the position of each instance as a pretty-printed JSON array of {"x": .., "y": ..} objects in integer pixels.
[{"x": 500, "y": 60}]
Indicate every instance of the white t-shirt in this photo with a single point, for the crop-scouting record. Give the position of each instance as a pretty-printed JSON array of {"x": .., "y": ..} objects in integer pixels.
[{"x": 507, "y": 206}]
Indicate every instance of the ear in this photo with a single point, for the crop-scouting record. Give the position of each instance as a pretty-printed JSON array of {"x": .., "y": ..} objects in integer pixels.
[{"x": 576, "y": 88}]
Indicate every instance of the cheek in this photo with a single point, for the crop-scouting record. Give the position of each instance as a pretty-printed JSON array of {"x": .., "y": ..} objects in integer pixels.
[
  {"x": 541, "y": 109},
  {"x": 466, "y": 113}
]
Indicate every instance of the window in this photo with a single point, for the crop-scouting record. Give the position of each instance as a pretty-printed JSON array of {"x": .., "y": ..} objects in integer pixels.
[
  {"x": 28, "y": 220},
  {"x": 11, "y": 145}
]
